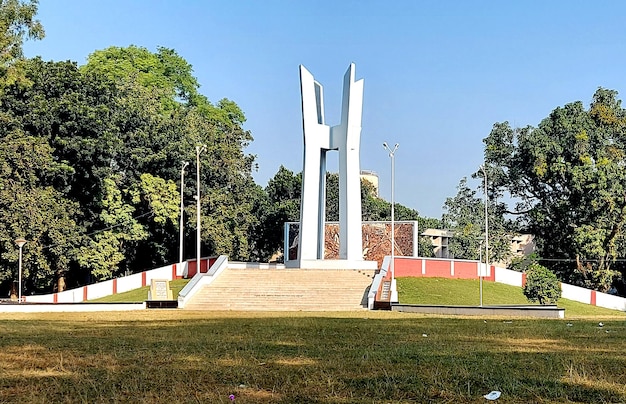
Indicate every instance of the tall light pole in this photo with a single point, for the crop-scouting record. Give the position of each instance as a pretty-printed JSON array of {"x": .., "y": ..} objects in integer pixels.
[
  {"x": 199, "y": 149},
  {"x": 394, "y": 291},
  {"x": 484, "y": 168},
  {"x": 20, "y": 243},
  {"x": 182, "y": 208}
]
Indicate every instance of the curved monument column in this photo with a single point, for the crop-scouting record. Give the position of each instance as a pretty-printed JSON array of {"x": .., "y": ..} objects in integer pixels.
[{"x": 319, "y": 138}]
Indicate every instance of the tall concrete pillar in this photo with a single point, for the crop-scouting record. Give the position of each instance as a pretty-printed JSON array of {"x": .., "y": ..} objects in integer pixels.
[{"x": 319, "y": 138}]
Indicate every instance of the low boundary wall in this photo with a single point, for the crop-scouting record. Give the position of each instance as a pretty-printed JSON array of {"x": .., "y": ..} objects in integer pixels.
[
  {"x": 110, "y": 287},
  {"x": 545, "y": 311},
  {"x": 465, "y": 269}
]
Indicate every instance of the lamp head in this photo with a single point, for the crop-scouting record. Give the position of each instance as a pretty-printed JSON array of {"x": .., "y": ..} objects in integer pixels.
[
  {"x": 385, "y": 145},
  {"x": 20, "y": 242}
]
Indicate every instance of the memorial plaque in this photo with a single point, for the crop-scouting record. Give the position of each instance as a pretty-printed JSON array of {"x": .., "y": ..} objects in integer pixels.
[{"x": 160, "y": 290}]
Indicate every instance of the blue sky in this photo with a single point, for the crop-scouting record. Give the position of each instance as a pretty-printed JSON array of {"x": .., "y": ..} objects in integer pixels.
[{"x": 438, "y": 74}]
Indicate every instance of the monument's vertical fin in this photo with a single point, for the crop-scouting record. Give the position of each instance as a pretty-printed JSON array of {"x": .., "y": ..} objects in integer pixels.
[
  {"x": 318, "y": 139},
  {"x": 316, "y": 142},
  {"x": 347, "y": 137}
]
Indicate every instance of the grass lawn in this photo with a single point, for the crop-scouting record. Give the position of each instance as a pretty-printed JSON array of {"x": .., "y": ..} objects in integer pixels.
[
  {"x": 169, "y": 356},
  {"x": 141, "y": 294},
  {"x": 466, "y": 292}
]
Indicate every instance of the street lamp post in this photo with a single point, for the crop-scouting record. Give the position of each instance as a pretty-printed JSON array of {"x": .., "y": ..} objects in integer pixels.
[
  {"x": 199, "y": 149},
  {"x": 20, "y": 243},
  {"x": 484, "y": 168},
  {"x": 182, "y": 208},
  {"x": 394, "y": 291}
]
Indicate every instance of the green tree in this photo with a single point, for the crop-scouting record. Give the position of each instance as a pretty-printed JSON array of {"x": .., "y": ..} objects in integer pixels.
[
  {"x": 104, "y": 253},
  {"x": 99, "y": 131},
  {"x": 163, "y": 134},
  {"x": 541, "y": 285},
  {"x": 164, "y": 71},
  {"x": 32, "y": 208},
  {"x": 568, "y": 178},
  {"x": 281, "y": 204},
  {"x": 120, "y": 126},
  {"x": 465, "y": 216},
  {"x": 17, "y": 22}
]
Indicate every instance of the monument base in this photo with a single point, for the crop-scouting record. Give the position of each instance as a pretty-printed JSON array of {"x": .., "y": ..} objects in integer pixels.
[{"x": 332, "y": 264}]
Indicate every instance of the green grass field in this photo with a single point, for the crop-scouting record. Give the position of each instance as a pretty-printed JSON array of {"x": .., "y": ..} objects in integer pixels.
[
  {"x": 141, "y": 294},
  {"x": 177, "y": 356},
  {"x": 466, "y": 292},
  {"x": 172, "y": 356}
]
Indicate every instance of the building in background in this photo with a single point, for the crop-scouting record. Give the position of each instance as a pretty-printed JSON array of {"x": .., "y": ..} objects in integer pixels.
[
  {"x": 522, "y": 245},
  {"x": 372, "y": 178},
  {"x": 440, "y": 240}
]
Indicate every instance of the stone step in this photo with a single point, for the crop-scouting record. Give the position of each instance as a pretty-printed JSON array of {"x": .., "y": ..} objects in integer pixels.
[{"x": 284, "y": 289}]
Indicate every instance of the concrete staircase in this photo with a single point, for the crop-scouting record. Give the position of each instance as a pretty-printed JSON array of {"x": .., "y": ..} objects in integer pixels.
[{"x": 284, "y": 290}]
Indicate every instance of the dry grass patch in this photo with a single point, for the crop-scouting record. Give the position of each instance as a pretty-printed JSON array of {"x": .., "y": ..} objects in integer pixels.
[{"x": 173, "y": 356}]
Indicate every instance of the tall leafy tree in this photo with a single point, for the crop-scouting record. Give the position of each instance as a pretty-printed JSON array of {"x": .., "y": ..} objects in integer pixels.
[
  {"x": 167, "y": 133},
  {"x": 568, "y": 178},
  {"x": 32, "y": 208},
  {"x": 17, "y": 23},
  {"x": 465, "y": 216},
  {"x": 281, "y": 205},
  {"x": 164, "y": 71},
  {"x": 105, "y": 251}
]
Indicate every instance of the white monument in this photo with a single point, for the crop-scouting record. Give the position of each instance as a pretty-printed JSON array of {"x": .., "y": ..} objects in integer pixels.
[{"x": 319, "y": 138}]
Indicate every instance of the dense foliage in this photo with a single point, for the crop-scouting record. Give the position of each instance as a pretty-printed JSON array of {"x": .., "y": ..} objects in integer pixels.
[
  {"x": 563, "y": 182},
  {"x": 568, "y": 180},
  {"x": 464, "y": 214},
  {"x": 91, "y": 159},
  {"x": 541, "y": 285}
]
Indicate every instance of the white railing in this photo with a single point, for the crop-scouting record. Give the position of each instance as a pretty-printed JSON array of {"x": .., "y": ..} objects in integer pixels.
[{"x": 201, "y": 279}]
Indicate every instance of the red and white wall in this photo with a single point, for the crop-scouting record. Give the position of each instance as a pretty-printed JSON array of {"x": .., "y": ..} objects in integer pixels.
[
  {"x": 461, "y": 269},
  {"x": 112, "y": 286}
]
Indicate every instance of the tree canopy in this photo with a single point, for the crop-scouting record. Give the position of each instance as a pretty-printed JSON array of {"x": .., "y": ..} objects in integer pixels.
[
  {"x": 464, "y": 214},
  {"x": 17, "y": 23},
  {"x": 568, "y": 180},
  {"x": 91, "y": 161}
]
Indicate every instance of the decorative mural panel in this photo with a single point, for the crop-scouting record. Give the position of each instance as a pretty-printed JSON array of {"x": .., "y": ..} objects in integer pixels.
[{"x": 376, "y": 240}]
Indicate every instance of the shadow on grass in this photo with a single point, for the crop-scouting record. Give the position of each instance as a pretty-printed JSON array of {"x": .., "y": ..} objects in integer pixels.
[{"x": 184, "y": 358}]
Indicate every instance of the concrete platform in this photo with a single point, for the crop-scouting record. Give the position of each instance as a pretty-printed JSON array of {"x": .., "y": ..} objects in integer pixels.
[
  {"x": 332, "y": 264},
  {"x": 545, "y": 311}
]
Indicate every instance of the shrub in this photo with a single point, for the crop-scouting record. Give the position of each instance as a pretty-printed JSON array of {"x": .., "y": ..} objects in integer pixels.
[{"x": 541, "y": 285}]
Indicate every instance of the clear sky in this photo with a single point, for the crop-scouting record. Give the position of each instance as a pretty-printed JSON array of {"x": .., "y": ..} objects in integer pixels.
[{"x": 438, "y": 74}]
